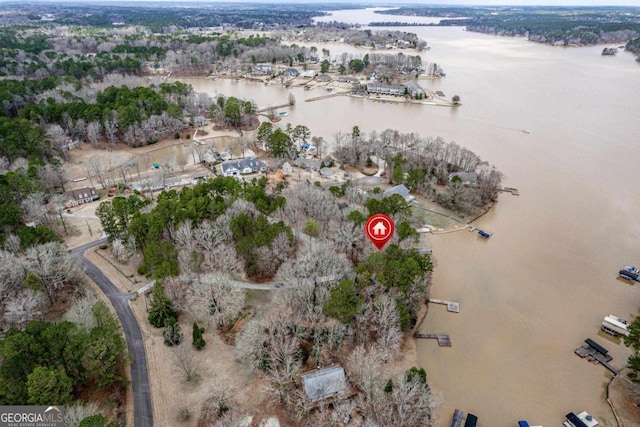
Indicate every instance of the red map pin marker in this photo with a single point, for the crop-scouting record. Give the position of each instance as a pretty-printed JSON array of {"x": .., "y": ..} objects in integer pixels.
[{"x": 379, "y": 229}]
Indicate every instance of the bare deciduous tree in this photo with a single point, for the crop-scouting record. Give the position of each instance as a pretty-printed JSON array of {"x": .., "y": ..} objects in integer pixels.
[
  {"x": 53, "y": 177},
  {"x": 387, "y": 324},
  {"x": 251, "y": 344},
  {"x": 186, "y": 361},
  {"x": 215, "y": 297},
  {"x": 22, "y": 308},
  {"x": 53, "y": 265},
  {"x": 94, "y": 134},
  {"x": 74, "y": 414},
  {"x": 34, "y": 208},
  {"x": 11, "y": 274},
  {"x": 218, "y": 403},
  {"x": 81, "y": 312}
]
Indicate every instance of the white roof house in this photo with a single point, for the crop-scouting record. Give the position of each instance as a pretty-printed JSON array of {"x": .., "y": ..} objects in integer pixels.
[{"x": 241, "y": 167}]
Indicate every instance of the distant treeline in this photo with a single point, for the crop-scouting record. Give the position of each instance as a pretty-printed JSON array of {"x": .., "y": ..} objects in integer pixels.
[
  {"x": 552, "y": 25},
  {"x": 162, "y": 19},
  {"x": 400, "y": 24}
]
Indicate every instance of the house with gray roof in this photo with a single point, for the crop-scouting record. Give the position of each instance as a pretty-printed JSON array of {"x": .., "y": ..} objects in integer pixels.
[
  {"x": 414, "y": 89},
  {"x": 346, "y": 79},
  {"x": 241, "y": 167},
  {"x": 385, "y": 89},
  {"x": 307, "y": 163},
  {"x": 324, "y": 383},
  {"x": 261, "y": 69},
  {"x": 401, "y": 190}
]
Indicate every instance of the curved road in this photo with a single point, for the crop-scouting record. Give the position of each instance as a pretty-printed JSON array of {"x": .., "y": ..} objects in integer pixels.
[{"x": 142, "y": 412}]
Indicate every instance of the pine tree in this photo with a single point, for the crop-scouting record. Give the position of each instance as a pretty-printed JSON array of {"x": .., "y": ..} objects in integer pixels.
[
  {"x": 198, "y": 340},
  {"x": 161, "y": 310}
]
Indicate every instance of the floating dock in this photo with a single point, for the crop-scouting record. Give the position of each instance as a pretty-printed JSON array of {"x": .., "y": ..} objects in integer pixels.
[
  {"x": 484, "y": 234},
  {"x": 594, "y": 352},
  {"x": 481, "y": 233},
  {"x": 443, "y": 340},
  {"x": 458, "y": 415},
  {"x": 513, "y": 191},
  {"x": 451, "y": 306}
]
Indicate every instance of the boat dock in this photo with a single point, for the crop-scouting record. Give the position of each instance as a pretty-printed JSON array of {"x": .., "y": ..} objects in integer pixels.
[
  {"x": 513, "y": 191},
  {"x": 273, "y": 107},
  {"x": 481, "y": 233},
  {"x": 458, "y": 415},
  {"x": 454, "y": 307},
  {"x": 443, "y": 340},
  {"x": 594, "y": 352}
]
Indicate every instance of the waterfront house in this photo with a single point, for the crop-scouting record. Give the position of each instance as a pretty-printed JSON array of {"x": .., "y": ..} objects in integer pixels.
[
  {"x": 345, "y": 79},
  {"x": 80, "y": 196},
  {"x": 307, "y": 163},
  {"x": 261, "y": 69},
  {"x": 385, "y": 89},
  {"x": 309, "y": 74},
  {"x": 242, "y": 167},
  {"x": 414, "y": 89},
  {"x": 323, "y": 79},
  {"x": 291, "y": 72},
  {"x": 401, "y": 190}
]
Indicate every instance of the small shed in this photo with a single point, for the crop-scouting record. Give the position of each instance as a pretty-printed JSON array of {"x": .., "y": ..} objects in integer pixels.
[{"x": 323, "y": 383}]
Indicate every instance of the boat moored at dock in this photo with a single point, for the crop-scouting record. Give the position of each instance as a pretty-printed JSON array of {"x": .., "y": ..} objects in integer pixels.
[
  {"x": 583, "y": 419},
  {"x": 615, "y": 326},
  {"x": 630, "y": 272}
]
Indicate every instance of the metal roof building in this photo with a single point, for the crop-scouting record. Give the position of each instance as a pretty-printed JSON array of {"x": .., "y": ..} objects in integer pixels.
[{"x": 324, "y": 383}]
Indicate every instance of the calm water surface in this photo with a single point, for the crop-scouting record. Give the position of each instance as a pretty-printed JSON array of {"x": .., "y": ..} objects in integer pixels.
[{"x": 533, "y": 292}]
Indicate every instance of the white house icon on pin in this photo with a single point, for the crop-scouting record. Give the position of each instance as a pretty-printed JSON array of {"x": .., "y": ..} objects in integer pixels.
[{"x": 379, "y": 229}]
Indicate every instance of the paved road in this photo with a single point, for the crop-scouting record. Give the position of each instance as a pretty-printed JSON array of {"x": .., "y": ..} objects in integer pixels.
[{"x": 143, "y": 414}]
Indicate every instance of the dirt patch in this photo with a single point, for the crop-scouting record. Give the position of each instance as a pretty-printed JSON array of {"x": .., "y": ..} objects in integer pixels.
[
  {"x": 370, "y": 170},
  {"x": 625, "y": 398}
]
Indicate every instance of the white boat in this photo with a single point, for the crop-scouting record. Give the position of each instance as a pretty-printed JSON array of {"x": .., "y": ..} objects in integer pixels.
[
  {"x": 282, "y": 113},
  {"x": 615, "y": 325}
]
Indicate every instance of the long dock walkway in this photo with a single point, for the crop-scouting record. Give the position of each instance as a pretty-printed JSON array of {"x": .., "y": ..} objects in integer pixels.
[
  {"x": 443, "y": 340},
  {"x": 273, "y": 107},
  {"x": 451, "y": 305},
  {"x": 331, "y": 95}
]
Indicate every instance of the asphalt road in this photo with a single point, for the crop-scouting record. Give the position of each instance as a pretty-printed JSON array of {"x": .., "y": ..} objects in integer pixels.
[{"x": 142, "y": 412}]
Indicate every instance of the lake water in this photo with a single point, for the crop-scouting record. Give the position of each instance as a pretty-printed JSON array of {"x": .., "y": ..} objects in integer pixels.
[{"x": 541, "y": 285}]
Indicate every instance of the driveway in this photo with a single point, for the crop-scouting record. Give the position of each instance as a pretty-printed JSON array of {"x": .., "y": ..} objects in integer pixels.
[{"x": 142, "y": 409}]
